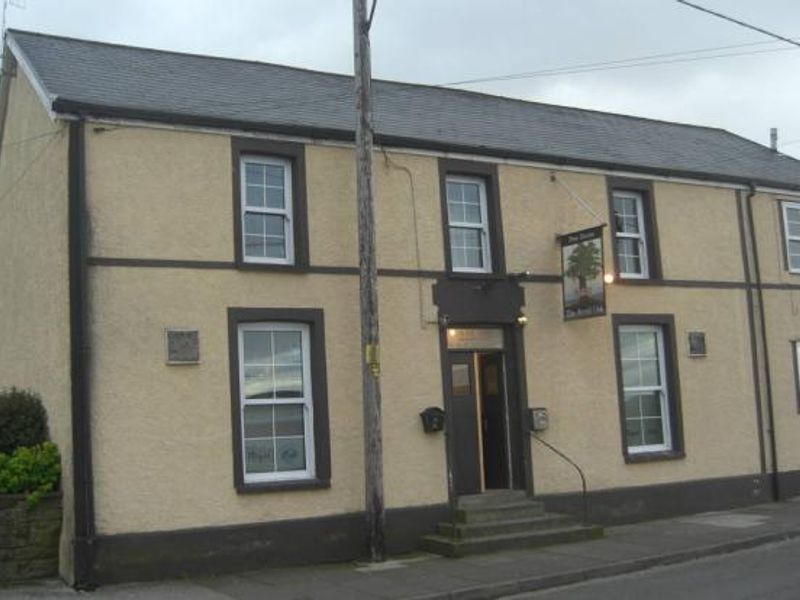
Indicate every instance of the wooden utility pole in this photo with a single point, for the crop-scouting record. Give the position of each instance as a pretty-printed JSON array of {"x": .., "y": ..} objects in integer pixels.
[{"x": 368, "y": 287}]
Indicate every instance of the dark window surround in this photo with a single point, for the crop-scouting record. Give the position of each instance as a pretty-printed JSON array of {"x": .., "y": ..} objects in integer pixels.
[
  {"x": 796, "y": 373},
  {"x": 784, "y": 241},
  {"x": 314, "y": 318},
  {"x": 667, "y": 323},
  {"x": 296, "y": 154},
  {"x": 487, "y": 172},
  {"x": 645, "y": 188}
]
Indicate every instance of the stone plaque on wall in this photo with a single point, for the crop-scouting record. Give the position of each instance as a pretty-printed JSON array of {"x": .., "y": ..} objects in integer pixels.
[{"x": 183, "y": 347}]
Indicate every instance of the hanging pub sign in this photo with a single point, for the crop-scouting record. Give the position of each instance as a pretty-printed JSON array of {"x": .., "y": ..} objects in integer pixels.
[{"x": 582, "y": 273}]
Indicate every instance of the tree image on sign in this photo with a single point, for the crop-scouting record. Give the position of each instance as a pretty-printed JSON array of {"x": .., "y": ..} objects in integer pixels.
[{"x": 584, "y": 265}]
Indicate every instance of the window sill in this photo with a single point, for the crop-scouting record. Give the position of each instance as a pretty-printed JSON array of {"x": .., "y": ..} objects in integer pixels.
[
  {"x": 282, "y": 486},
  {"x": 279, "y": 267},
  {"x": 479, "y": 276},
  {"x": 646, "y": 457},
  {"x": 619, "y": 279}
]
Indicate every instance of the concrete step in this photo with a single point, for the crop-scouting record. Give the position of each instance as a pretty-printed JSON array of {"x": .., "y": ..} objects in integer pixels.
[
  {"x": 491, "y": 497},
  {"x": 489, "y": 528},
  {"x": 448, "y": 546},
  {"x": 501, "y": 510}
]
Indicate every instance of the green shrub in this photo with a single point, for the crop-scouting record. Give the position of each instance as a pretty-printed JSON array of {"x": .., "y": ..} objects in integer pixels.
[
  {"x": 23, "y": 420},
  {"x": 33, "y": 470}
]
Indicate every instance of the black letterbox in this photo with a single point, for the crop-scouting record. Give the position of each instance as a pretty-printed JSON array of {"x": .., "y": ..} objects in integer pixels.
[{"x": 432, "y": 419}]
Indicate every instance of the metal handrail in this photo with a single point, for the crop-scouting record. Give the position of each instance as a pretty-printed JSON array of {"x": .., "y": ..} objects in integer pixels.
[{"x": 577, "y": 468}]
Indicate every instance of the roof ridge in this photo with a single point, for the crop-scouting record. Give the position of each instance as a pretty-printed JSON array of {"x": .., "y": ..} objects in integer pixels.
[{"x": 444, "y": 88}]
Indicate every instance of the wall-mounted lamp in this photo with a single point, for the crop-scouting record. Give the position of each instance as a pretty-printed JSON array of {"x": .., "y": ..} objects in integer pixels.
[
  {"x": 522, "y": 320},
  {"x": 608, "y": 278}
]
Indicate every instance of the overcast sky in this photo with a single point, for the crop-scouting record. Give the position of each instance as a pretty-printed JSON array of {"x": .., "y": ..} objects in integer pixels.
[{"x": 444, "y": 41}]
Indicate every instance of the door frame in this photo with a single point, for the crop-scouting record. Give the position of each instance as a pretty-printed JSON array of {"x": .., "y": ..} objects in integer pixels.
[{"x": 515, "y": 388}]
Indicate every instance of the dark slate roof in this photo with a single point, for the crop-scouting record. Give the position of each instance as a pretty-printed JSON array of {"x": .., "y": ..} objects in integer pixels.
[{"x": 105, "y": 80}]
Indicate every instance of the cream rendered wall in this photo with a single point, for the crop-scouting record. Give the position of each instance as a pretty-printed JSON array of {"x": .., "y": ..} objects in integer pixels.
[
  {"x": 571, "y": 371},
  {"x": 162, "y": 434},
  {"x": 34, "y": 294},
  {"x": 571, "y": 368}
]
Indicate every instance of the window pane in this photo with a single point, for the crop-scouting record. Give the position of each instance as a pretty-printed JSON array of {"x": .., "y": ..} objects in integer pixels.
[
  {"x": 653, "y": 431},
  {"x": 794, "y": 254},
  {"x": 274, "y": 175},
  {"x": 291, "y": 454},
  {"x": 254, "y": 195},
  {"x": 455, "y": 212},
  {"x": 466, "y": 248},
  {"x": 276, "y": 247},
  {"x": 254, "y": 173},
  {"x": 453, "y": 192},
  {"x": 792, "y": 215},
  {"x": 275, "y": 240},
  {"x": 633, "y": 432},
  {"x": 257, "y": 347},
  {"x": 288, "y": 382},
  {"x": 259, "y": 456},
  {"x": 258, "y": 422},
  {"x": 258, "y": 383},
  {"x": 254, "y": 223},
  {"x": 632, "y": 406},
  {"x": 255, "y": 245},
  {"x": 276, "y": 198},
  {"x": 794, "y": 228},
  {"x": 473, "y": 258},
  {"x": 274, "y": 225},
  {"x": 288, "y": 348},
  {"x": 289, "y": 419},
  {"x": 460, "y": 380},
  {"x": 651, "y": 404},
  {"x": 472, "y": 213},
  {"x": 629, "y": 255},
  {"x": 627, "y": 344},
  {"x": 471, "y": 193},
  {"x": 649, "y": 372},
  {"x": 630, "y": 373},
  {"x": 646, "y": 344}
]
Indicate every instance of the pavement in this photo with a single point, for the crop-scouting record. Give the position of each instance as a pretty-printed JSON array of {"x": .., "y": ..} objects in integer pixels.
[{"x": 625, "y": 549}]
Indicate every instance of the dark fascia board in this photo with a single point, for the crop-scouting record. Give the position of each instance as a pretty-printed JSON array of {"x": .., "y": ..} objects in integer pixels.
[
  {"x": 667, "y": 322},
  {"x": 88, "y": 110},
  {"x": 796, "y": 374},
  {"x": 315, "y": 318}
]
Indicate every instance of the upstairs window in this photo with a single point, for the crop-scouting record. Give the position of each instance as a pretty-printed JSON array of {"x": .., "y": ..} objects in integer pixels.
[
  {"x": 468, "y": 225},
  {"x": 630, "y": 235},
  {"x": 266, "y": 210},
  {"x": 791, "y": 235}
]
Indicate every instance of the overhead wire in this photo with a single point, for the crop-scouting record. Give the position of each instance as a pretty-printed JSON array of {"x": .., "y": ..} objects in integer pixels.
[
  {"x": 400, "y": 88},
  {"x": 738, "y": 22}
]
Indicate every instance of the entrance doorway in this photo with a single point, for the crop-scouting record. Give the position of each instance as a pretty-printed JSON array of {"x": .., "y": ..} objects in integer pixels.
[{"x": 486, "y": 449}]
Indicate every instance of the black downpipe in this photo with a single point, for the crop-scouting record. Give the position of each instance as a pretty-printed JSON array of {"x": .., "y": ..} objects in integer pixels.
[
  {"x": 773, "y": 449},
  {"x": 83, "y": 488}
]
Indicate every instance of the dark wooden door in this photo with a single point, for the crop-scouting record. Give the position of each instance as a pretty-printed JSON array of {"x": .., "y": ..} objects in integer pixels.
[{"x": 464, "y": 421}]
